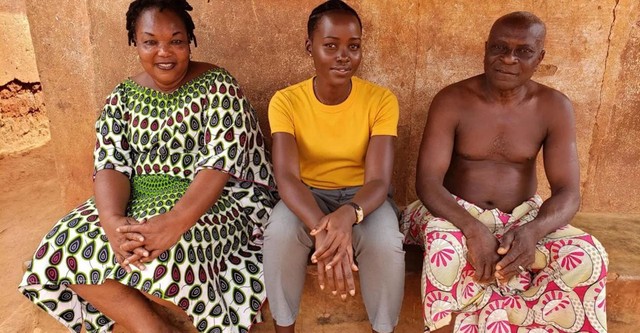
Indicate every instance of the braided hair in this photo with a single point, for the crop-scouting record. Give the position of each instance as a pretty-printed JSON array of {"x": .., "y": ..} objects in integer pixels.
[
  {"x": 326, "y": 7},
  {"x": 180, "y": 7}
]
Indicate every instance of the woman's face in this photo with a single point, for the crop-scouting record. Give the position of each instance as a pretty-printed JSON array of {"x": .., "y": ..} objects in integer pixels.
[
  {"x": 335, "y": 47},
  {"x": 163, "y": 47}
]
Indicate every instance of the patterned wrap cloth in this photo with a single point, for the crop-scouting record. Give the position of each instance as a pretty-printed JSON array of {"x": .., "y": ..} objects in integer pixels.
[
  {"x": 160, "y": 141},
  {"x": 564, "y": 291}
]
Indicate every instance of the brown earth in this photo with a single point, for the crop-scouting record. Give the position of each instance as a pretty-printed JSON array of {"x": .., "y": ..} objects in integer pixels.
[
  {"x": 23, "y": 122},
  {"x": 29, "y": 203}
]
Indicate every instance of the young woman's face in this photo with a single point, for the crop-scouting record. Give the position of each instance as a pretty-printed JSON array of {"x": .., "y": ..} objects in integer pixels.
[
  {"x": 163, "y": 46},
  {"x": 336, "y": 48}
]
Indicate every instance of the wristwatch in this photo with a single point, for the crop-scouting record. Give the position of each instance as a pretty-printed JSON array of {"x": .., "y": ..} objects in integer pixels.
[{"x": 359, "y": 212}]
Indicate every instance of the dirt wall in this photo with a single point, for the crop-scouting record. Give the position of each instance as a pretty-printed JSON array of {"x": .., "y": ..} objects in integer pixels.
[
  {"x": 23, "y": 121},
  {"x": 413, "y": 47}
]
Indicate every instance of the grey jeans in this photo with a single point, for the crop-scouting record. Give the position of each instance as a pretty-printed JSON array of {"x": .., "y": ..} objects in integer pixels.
[{"x": 377, "y": 244}]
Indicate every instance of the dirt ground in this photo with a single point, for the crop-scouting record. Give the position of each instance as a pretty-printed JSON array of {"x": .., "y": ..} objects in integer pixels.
[{"x": 30, "y": 202}]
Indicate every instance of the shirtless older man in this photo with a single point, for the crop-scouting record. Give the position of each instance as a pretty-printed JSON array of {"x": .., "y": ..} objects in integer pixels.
[{"x": 495, "y": 253}]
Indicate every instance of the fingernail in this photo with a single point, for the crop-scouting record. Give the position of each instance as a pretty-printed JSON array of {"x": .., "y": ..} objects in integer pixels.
[
  {"x": 314, "y": 260},
  {"x": 352, "y": 292},
  {"x": 146, "y": 254},
  {"x": 126, "y": 262},
  {"x": 334, "y": 292},
  {"x": 118, "y": 229},
  {"x": 343, "y": 296},
  {"x": 143, "y": 267},
  {"x": 328, "y": 267},
  {"x": 140, "y": 239},
  {"x": 322, "y": 287}
]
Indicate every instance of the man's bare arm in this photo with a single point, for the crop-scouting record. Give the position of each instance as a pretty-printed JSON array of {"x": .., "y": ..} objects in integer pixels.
[{"x": 563, "y": 172}]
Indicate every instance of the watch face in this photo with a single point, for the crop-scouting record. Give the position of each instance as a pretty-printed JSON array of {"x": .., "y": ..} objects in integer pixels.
[
  {"x": 359, "y": 214},
  {"x": 358, "y": 211}
]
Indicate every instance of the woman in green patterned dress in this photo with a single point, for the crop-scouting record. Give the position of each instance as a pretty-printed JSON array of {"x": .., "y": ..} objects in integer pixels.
[{"x": 182, "y": 186}]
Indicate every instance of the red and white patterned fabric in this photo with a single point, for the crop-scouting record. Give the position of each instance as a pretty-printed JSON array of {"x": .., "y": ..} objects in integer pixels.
[{"x": 564, "y": 291}]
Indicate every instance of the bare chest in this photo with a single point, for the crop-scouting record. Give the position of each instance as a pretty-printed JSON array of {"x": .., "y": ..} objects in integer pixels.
[{"x": 514, "y": 137}]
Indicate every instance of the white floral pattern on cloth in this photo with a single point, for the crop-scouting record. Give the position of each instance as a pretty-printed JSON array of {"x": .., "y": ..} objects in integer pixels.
[{"x": 564, "y": 291}]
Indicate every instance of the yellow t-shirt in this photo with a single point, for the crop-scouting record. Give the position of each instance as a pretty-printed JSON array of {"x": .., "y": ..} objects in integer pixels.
[{"x": 333, "y": 139}]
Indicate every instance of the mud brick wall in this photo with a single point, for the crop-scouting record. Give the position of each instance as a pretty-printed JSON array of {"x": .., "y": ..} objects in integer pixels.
[
  {"x": 414, "y": 47},
  {"x": 23, "y": 121}
]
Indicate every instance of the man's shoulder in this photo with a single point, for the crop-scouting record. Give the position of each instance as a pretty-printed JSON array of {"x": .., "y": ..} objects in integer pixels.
[
  {"x": 461, "y": 91},
  {"x": 548, "y": 96}
]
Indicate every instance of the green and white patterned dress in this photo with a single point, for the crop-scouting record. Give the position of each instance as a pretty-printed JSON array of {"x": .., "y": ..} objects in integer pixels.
[{"x": 160, "y": 141}]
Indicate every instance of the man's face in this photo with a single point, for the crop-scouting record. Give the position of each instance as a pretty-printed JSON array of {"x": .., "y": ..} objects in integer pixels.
[{"x": 512, "y": 54}]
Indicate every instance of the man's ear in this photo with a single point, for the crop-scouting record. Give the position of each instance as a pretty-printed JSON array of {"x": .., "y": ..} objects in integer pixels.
[{"x": 541, "y": 56}]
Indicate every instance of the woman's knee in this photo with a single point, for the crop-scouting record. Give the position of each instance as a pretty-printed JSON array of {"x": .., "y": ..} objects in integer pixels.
[{"x": 385, "y": 248}]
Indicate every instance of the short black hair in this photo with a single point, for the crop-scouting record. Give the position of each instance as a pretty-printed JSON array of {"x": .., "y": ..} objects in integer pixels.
[
  {"x": 328, "y": 7},
  {"x": 180, "y": 7}
]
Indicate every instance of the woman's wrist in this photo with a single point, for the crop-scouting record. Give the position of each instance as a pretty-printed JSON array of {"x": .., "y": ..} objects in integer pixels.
[
  {"x": 347, "y": 214},
  {"x": 358, "y": 213},
  {"x": 181, "y": 218},
  {"x": 110, "y": 218}
]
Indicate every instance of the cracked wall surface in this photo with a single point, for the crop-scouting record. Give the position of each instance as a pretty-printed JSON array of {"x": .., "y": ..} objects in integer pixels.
[
  {"x": 413, "y": 47},
  {"x": 613, "y": 180},
  {"x": 23, "y": 121}
]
